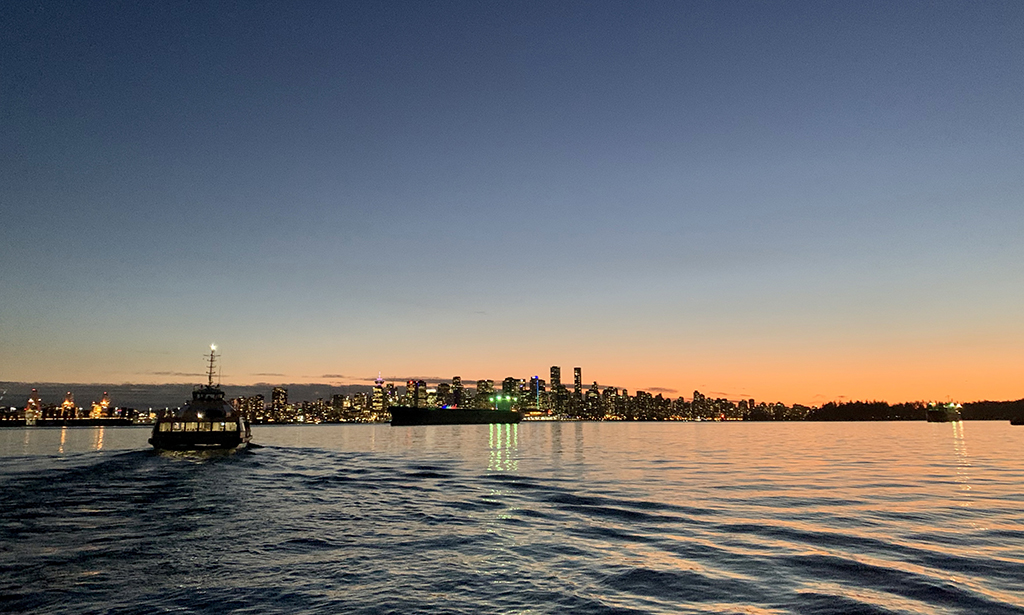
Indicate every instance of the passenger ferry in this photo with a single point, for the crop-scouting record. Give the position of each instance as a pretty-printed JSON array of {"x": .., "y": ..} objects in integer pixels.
[
  {"x": 943, "y": 413},
  {"x": 206, "y": 422}
]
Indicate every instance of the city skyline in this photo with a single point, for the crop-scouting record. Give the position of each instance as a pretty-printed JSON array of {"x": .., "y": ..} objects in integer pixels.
[{"x": 792, "y": 201}]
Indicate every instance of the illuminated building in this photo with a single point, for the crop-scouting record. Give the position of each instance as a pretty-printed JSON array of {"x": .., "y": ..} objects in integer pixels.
[
  {"x": 483, "y": 395},
  {"x": 510, "y": 389},
  {"x": 577, "y": 377},
  {"x": 378, "y": 401},
  {"x": 278, "y": 403},
  {"x": 592, "y": 403},
  {"x": 458, "y": 393},
  {"x": 416, "y": 393},
  {"x": 444, "y": 392},
  {"x": 558, "y": 396},
  {"x": 421, "y": 394},
  {"x": 533, "y": 396},
  {"x": 257, "y": 408}
]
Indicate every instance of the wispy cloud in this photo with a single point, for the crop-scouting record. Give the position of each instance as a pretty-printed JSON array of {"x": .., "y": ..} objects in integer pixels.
[
  {"x": 729, "y": 395},
  {"x": 269, "y": 374},
  {"x": 190, "y": 374},
  {"x": 407, "y": 378},
  {"x": 660, "y": 390},
  {"x": 333, "y": 376}
]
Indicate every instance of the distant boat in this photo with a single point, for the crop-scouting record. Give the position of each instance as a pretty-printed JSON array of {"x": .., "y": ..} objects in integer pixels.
[
  {"x": 207, "y": 422},
  {"x": 944, "y": 413},
  {"x": 406, "y": 415}
]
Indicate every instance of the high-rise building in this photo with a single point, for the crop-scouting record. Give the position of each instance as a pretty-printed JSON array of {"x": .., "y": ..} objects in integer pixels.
[
  {"x": 458, "y": 393},
  {"x": 556, "y": 377},
  {"x": 379, "y": 400},
  {"x": 592, "y": 403},
  {"x": 257, "y": 408},
  {"x": 278, "y": 403},
  {"x": 577, "y": 377},
  {"x": 444, "y": 393},
  {"x": 534, "y": 394},
  {"x": 416, "y": 393}
]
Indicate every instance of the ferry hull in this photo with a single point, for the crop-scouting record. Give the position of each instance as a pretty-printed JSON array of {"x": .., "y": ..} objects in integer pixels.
[
  {"x": 942, "y": 415},
  {"x": 197, "y": 441}
]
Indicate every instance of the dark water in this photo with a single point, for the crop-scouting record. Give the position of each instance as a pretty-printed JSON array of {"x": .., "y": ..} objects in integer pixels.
[{"x": 538, "y": 518}]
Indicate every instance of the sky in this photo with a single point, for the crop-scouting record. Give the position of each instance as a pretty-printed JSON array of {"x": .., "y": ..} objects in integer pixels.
[{"x": 790, "y": 201}]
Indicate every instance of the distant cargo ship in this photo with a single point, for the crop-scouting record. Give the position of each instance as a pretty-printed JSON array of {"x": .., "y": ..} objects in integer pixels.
[
  {"x": 406, "y": 415},
  {"x": 944, "y": 413}
]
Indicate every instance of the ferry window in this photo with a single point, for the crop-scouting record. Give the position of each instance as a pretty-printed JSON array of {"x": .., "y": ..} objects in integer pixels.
[
  {"x": 191, "y": 426},
  {"x": 231, "y": 426},
  {"x": 218, "y": 427},
  {"x": 176, "y": 427},
  {"x": 165, "y": 426},
  {"x": 204, "y": 427}
]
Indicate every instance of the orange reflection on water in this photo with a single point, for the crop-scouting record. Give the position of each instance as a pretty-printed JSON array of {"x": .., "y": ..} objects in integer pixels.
[{"x": 963, "y": 462}]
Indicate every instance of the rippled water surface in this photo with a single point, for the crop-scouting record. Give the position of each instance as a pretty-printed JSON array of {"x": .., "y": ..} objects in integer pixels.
[{"x": 534, "y": 518}]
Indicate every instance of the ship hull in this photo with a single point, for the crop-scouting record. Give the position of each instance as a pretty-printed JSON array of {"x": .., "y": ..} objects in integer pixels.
[
  {"x": 403, "y": 415},
  {"x": 942, "y": 415},
  {"x": 197, "y": 441}
]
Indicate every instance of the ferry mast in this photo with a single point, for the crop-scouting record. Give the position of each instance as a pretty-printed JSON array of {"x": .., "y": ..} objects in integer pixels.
[{"x": 212, "y": 363}]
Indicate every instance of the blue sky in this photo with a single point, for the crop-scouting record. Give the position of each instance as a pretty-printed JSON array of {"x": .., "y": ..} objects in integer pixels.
[{"x": 790, "y": 200}]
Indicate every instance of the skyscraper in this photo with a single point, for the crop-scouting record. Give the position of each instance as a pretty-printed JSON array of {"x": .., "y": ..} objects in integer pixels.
[
  {"x": 510, "y": 386},
  {"x": 577, "y": 377},
  {"x": 378, "y": 402},
  {"x": 278, "y": 403},
  {"x": 416, "y": 393},
  {"x": 556, "y": 377},
  {"x": 444, "y": 393},
  {"x": 458, "y": 393}
]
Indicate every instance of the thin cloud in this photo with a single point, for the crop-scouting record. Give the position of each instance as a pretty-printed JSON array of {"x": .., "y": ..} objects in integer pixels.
[
  {"x": 333, "y": 376},
  {"x": 268, "y": 374},
  {"x": 173, "y": 374},
  {"x": 728, "y": 395},
  {"x": 661, "y": 390},
  {"x": 407, "y": 378}
]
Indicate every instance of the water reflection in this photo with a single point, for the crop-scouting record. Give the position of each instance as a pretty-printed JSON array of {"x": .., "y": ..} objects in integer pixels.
[
  {"x": 70, "y": 440},
  {"x": 963, "y": 462},
  {"x": 503, "y": 443}
]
